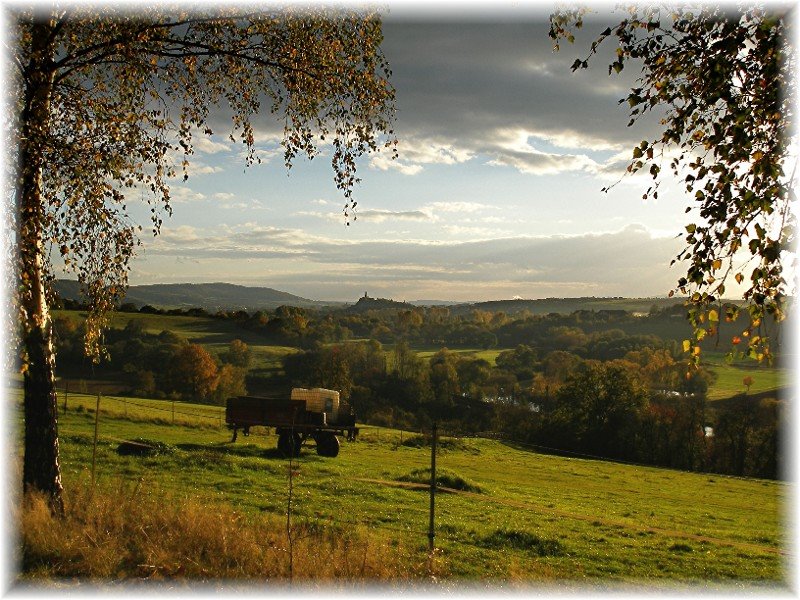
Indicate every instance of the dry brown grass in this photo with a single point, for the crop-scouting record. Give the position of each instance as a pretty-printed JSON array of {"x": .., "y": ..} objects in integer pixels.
[{"x": 130, "y": 534}]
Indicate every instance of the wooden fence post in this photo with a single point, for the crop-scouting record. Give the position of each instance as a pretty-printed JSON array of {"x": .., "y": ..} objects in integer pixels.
[
  {"x": 66, "y": 395},
  {"x": 173, "y": 412},
  {"x": 94, "y": 445},
  {"x": 433, "y": 489}
]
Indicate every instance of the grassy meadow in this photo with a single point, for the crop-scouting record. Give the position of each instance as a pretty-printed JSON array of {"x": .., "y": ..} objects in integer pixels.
[
  {"x": 512, "y": 515},
  {"x": 730, "y": 376}
]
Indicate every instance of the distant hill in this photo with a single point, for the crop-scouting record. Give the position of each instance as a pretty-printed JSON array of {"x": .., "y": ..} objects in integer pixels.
[
  {"x": 227, "y": 296},
  {"x": 209, "y": 296},
  {"x": 545, "y": 306}
]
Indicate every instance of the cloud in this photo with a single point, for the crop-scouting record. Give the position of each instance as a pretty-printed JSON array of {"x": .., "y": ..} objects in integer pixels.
[
  {"x": 458, "y": 207},
  {"x": 541, "y": 163},
  {"x": 224, "y": 196},
  {"x": 181, "y": 235},
  {"x": 468, "y": 89},
  {"x": 181, "y": 193},
  {"x": 205, "y": 145},
  {"x": 372, "y": 216},
  {"x": 199, "y": 168},
  {"x": 383, "y": 162},
  {"x": 628, "y": 262},
  {"x": 381, "y": 216}
]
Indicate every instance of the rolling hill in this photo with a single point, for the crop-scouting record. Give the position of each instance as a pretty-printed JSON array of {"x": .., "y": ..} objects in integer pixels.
[{"x": 209, "y": 296}]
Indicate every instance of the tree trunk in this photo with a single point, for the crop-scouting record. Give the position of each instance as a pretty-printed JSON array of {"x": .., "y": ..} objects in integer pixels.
[{"x": 41, "y": 470}]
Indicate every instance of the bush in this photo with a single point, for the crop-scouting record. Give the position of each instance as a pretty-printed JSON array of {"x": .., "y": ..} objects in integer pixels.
[
  {"x": 444, "y": 444},
  {"x": 522, "y": 540},
  {"x": 443, "y": 478},
  {"x": 144, "y": 447}
]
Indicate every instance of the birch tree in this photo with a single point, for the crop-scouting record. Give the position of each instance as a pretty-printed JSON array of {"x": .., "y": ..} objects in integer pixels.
[{"x": 104, "y": 100}]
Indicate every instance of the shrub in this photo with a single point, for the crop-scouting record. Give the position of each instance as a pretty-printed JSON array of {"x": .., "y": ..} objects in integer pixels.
[
  {"x": 443, "y": 478},
  {"x": 522, "y": 540}
]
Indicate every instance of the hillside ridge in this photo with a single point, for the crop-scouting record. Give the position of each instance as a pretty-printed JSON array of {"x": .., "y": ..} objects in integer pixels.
[{"x": 228, "y": 296}]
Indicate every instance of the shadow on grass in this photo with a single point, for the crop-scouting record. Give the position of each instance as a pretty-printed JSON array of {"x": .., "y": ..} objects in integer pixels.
[
  {"x": 245, "y": 450},
  {"x": 227, "y": 448}
]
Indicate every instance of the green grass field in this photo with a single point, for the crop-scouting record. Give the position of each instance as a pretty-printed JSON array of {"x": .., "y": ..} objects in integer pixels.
[
  {"x": 730, "y": 376},
  {"x": 536, "y": 518},
  {"x": 474, "y": 353}
]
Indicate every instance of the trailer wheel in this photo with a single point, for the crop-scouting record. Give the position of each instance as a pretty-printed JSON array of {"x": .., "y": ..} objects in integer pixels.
[
  {"x": 327, "y": 444},
  {"x": 289, "y": 444}
]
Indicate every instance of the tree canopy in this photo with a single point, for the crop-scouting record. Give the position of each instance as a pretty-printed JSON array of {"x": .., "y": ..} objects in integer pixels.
[{"x": 722, "y": 79}]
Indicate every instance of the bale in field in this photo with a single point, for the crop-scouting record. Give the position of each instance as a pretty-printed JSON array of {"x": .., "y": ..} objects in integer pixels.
[{"x": 142, "y": 447}]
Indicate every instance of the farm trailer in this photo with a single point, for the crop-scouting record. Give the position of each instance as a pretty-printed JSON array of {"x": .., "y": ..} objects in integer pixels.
[{"x": 315, "y": 413}]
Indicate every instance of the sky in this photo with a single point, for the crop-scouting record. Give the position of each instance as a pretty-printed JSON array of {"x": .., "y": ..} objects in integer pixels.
[{"x": 496, "y": 194}]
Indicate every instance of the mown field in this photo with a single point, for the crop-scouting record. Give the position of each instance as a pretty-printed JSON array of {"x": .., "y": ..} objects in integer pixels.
[{"x": 518, "y": 516}]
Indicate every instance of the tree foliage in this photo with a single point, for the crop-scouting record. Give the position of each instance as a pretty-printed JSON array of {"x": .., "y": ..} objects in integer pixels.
[
  {"x": 194, "y": 372},
  {"x": 721, "y": 80}
]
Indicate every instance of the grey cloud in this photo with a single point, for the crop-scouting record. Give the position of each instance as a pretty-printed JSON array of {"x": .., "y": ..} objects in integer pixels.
[
  {"x": 459, "y": 82},
  {"x": 380, "y": 216},
  {"x": 464, "y": 81},
  {"x": 542, "y": 163}
]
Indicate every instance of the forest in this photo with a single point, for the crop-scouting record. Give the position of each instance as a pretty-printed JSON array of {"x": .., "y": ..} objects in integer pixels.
[{"x": 607, "y": 383}]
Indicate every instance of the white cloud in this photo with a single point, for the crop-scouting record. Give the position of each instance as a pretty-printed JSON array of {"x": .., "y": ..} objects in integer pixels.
[
  {"x": 224, "y": 196},
  {"x": 207, "y": 146},
  {"x": 458, "y": 207},
  {"x": 414, "y": 152},
  {"x": 372, "y": 216},
  {"x": 475, "y": 232},
  {"x": 541, "y": 163},
  {"x": 179, "y": 235},
  {"x": 381, "y": 216},
  {"x": 431, "y": 151},
  {"x": 182, "y": 193},
  {"x": 198, "y": 168},
  {"x": 383, "y": 162}
]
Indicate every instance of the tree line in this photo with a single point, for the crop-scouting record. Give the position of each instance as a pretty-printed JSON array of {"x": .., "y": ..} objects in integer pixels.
[
  {"x": 437, "y": 326},
  {"x": 162, "y": 365},
  {"x": 572, "y": 386},
  {"x": 642, "y": 407}
]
